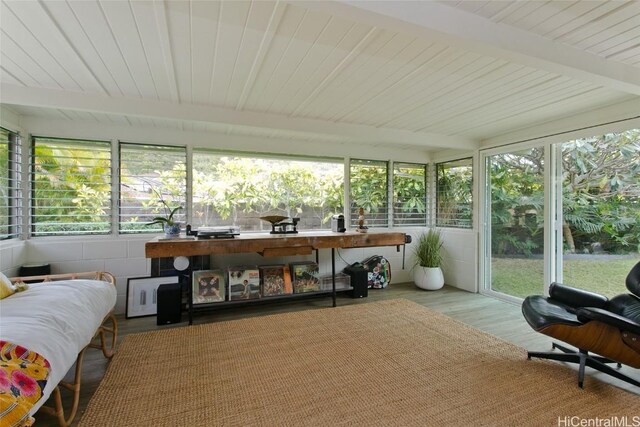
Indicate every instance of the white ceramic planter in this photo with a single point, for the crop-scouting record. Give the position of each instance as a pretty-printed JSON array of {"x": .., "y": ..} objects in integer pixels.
[{"x": 428, "y": 278}]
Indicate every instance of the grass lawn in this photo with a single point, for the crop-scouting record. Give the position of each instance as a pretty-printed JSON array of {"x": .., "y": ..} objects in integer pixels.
[{"x": 522, "y": 277}]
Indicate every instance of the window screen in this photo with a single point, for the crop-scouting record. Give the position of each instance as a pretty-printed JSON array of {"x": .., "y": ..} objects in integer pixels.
[
  {"x": 70, "y": 187},
  {"x": 368, "y": 181},
  {"x": 409, "y": 194},
  {"x": 149, "y": 175},
  {"x": 238, "y": 188},
  {"x": 454, "y": 186},
  {"x": 10, "y": 201}
]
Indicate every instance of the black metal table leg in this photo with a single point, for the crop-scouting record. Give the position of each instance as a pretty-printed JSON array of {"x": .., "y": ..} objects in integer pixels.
[
  {"x": 333, "y": 275},
  {"x": 190, "y": 292}
]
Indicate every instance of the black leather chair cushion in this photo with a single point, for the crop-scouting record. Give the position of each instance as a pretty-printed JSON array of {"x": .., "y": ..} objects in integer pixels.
[
  {"x": 576, "y": 298},
  {"x": 540, "y": 312},
  {"x": 633, "y": 280},
  {"x": 625, "y": 305},
  {"x": 588, "y": 314}
]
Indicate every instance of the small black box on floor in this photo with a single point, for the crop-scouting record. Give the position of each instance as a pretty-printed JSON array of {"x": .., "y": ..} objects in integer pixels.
[
  {"x": 358, "y": 281},
  {"x": 169, "y": 304},
  {"x": 34, "y": 270}
]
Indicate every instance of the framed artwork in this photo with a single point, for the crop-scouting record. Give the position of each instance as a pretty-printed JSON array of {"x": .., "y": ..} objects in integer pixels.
[
  {"x": 305, "y": 276},
  {"x": 244, "y": 283},
  {"x": 208, "y": 286},
  {"x": 273, "y": 280},
  {"x": 142, "y": 295}
]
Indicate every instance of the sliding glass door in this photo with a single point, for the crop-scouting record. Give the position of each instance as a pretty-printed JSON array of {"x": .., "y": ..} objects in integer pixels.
[
  {"x": 600, "y": 205},
  {"x": 514, "y": 223},
  {"x": 564, "y": 212}
]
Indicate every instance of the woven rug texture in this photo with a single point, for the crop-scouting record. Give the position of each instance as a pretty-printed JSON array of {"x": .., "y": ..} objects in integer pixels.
[{"x": 389, "y": 363}]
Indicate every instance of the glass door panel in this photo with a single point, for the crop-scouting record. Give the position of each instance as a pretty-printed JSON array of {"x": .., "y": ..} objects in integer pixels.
[
  {"x": 600, "y": 211},
  {"x": 514, "y": 245}
]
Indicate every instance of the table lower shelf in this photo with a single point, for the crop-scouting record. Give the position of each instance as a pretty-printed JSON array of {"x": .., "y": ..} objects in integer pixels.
[{"x": 264, "y": 300}]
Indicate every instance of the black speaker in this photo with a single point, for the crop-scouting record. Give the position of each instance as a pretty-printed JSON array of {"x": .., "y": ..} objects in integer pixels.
[
  {"x": 359, "y": 281},
  {"x": 169, "y": 304}
]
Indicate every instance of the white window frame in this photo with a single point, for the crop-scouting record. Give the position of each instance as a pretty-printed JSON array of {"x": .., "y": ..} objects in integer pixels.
[{"x": 31, "y": 185}]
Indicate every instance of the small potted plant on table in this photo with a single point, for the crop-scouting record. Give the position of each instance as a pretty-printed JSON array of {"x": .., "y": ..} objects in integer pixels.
[{"x": 171, "y": 227}]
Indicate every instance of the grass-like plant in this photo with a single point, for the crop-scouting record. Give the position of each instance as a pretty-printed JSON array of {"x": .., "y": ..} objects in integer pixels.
[{"x": 427, "y": 250}]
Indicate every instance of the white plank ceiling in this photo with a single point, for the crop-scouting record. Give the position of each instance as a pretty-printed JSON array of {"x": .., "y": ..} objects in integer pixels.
[{"x": 425, "y": 74}]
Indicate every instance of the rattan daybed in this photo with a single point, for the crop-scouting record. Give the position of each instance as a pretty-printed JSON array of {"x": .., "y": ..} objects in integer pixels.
[{"x": 57, "y": 319}]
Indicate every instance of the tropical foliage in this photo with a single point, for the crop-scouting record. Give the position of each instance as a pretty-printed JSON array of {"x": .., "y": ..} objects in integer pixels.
[
  {"x": 239, "y": 190},
  {"x": 601, "y": 192},
  {"x": 454, "y": 206},
  {"x": 369, "y": 185},
  {"x": 517, "y": 193},
  {"x": 600, "y": 179},
  {"x": 4, "y": 184},
  {"x": 600, "y": 182},
  {"x": 71, "y": 187},
  {"x": 409, "y": 194},
  {"x": 153, "y": 181}
]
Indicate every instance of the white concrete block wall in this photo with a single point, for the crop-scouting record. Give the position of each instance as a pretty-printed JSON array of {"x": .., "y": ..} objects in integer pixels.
[
  {"x": 460, "y": 266},
  {"x": 122, "y": 256},
  {"x": 460, "y": 258},
  {"x": 13, "y": 254},
  {"x": 54, "y": 251}
]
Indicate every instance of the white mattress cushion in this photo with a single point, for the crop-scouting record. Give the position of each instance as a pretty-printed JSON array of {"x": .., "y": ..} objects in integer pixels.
[{"x": 57, "y": 320}]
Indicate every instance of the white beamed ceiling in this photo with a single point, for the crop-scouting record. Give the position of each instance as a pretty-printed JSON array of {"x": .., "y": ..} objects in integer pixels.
[
  {"x": 348, "y": 71},
  {"x": 609, "y": 29}
]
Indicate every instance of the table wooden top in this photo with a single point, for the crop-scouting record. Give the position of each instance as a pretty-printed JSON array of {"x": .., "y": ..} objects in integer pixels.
[{"x": 271, "y": 244}]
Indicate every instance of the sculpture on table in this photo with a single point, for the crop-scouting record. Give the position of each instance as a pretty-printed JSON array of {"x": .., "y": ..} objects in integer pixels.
[{"x": 362, "y": 228}]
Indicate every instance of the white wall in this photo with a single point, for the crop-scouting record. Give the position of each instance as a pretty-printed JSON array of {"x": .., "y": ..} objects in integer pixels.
[
  {"x": 122, "y": 256},
  {"x": 13, "y": 254},
  {"x": 460, "y": 258},
  {"x": 9, "y": 120}
]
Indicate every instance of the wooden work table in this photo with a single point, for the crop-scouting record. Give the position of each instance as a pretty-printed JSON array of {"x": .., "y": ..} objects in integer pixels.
[
  {"x": 303, "y": 243},
  {"x": 267, "y": 244}
]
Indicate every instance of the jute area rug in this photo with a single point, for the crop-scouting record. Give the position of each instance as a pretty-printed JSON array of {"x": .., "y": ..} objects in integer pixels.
[{"x": 384, "y": 363}]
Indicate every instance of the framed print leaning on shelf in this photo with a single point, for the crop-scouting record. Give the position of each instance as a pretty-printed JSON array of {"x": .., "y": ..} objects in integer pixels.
[
  {"x": 273, "y": 280},
  {"x": 305, "y": 277},
  {"x": 208, "y": 286},
  {"x": 142, "y": 295},
  {"x": 244, "y": 282}
]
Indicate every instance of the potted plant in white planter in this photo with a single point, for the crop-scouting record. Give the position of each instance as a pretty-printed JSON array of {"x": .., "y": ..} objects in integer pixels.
[
  {"x": 171, "y": 227},
  {"x": 427, "y": 272}
]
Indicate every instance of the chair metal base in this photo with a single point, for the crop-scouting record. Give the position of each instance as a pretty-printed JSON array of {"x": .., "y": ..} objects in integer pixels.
[{"x": 583, "y": 358}]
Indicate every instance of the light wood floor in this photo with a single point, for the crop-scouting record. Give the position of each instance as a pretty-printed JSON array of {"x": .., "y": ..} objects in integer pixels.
[{"x": 496, "y": 317}]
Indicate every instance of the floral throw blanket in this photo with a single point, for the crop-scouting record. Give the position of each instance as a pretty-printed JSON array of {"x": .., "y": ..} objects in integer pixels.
[{"x": 23, "y": 376}]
